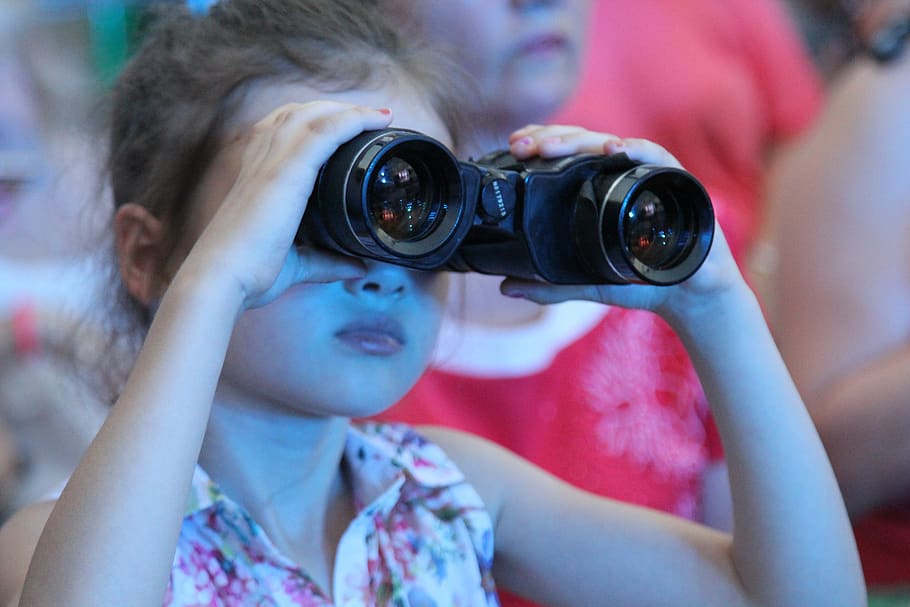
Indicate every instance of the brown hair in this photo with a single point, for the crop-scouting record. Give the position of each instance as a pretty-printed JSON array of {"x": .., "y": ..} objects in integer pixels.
[
  {"x": 172, "y": 100},
  {"x": 175, "y": 95}
]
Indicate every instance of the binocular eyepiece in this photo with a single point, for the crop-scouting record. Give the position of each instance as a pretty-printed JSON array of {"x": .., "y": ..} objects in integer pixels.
[{"x": 401, "y": 197}]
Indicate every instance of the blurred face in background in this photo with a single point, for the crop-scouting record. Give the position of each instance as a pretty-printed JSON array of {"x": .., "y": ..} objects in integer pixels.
[
  {"x": 524, "y": 55},
  {"x": 20, "y": 142},
  {"x": 49, "y": 163}
]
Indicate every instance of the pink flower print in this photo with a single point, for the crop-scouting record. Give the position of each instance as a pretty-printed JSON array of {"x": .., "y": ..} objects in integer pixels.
[
  {"x": 652, "y": 437},
  {"x": 303, "y": 592},
  {"x": 216, "y": 580},
  {"x": 420, "y": 462},
  {"x": 648, "y": 410}
]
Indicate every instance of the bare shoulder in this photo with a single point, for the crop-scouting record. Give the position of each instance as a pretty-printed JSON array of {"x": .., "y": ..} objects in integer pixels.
[{"x": 18, "y": 538}]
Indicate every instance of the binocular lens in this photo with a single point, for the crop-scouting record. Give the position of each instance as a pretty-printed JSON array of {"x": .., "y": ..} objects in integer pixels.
[
  {"x": 392, "y": 195},
  {"x": 401, "y": 204},
  {"x": 655, "y": 224},
  {"x": 655, "y": 230}
]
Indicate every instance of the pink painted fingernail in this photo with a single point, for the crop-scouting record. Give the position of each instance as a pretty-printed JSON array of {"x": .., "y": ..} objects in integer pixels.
[{"x": 615, "y": 144}]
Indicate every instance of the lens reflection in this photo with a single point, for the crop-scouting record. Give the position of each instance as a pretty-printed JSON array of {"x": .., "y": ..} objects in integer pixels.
[
  {"x": 400, "y": 203},
  {"x": 654, "y": 230}
]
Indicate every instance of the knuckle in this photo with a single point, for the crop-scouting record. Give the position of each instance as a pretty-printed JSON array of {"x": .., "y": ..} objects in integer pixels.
[
  {"x": 315, "y": 130},
  {"x": 325, "y": 125},
  {"x": 283, "y": 115}
]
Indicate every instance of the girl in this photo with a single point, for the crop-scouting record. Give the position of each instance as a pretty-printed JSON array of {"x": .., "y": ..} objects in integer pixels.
[{"x": 259, "y": 353}]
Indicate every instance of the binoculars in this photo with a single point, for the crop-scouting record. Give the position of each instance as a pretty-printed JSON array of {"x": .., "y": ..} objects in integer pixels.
[{"x": 401, "y": 197}]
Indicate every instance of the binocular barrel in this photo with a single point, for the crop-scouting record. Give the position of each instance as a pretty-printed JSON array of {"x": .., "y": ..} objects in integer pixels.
[{"x": 401, "y": 197}]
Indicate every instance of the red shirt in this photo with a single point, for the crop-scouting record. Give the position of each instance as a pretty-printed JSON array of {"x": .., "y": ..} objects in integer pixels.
[
  {"x": 716, "y": 82},
  {"x": 618, "y": 411},
  {"x": 883, "y": 539}
]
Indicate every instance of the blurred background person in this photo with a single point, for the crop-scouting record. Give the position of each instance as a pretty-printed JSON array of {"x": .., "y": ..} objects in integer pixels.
[
  {"x": 828, "y": 29},
  {"x": 841, "y": 230},
  {"x": 699, "y": 77},
  {"x": 51, "y": 205},
  {"x": 724, "y": 84}
]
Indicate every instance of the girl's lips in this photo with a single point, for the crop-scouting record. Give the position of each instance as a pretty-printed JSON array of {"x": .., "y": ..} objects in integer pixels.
[{"x": 375, "y": 337}]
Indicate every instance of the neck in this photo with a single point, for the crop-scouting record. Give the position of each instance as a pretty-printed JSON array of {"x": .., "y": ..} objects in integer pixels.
[
  {"x": 284, "y": 469},
  {"x": 477, "y": 299}
]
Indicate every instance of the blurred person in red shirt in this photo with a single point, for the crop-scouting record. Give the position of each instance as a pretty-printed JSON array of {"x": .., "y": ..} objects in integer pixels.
[{"x": 606, "y": 398}]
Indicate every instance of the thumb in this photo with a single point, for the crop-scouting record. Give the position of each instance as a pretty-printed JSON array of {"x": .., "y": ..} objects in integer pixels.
[
  {"x": 314, "y": 265},
  {"x": 306, "y": 265}
]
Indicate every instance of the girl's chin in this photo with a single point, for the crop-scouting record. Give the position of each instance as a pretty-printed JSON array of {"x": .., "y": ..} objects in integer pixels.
[{"x": 371, "y": 409}]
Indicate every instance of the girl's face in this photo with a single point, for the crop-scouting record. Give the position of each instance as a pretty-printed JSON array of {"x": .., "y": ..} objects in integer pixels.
[
  {"x": 348, "y": 348},
  {"x": 525, "y": 54}
]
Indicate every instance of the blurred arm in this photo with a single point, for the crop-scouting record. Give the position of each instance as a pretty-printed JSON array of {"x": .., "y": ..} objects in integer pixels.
[{"x": 842, "y": 214}]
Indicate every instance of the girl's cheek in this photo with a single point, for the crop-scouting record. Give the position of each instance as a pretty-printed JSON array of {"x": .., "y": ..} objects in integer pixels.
[
  {"x": 433, "y": 286},
  {"x": 435, "y": 289},
  {"x": 441, "y": 285}
]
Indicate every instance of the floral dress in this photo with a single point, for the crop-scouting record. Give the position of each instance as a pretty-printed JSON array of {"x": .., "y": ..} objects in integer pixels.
[{"x": 421, "y": 538}]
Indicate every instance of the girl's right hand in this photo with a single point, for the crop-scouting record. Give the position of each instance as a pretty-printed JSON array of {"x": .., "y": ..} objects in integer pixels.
[{"x": 248, "y": 235}]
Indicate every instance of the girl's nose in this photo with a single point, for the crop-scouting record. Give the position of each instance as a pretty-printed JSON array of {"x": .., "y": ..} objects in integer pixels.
[{"x": 382, "y": 280}]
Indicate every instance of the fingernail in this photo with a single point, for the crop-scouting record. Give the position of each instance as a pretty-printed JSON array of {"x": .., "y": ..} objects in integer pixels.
[
  {"x": 384, "y": 110},
  {"x": 614, "y": 144},
  {"x": 524, "y": 141},
  {"x": 514, "y": 293}
]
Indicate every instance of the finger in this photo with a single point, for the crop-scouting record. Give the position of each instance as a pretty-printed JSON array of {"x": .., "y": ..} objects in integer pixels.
[
  {"x": 544, "y": 293},
  {"x": 641, "y": 150},
  {"x": 307, "y": 265},
  {"x": 560, "y": 141},
  {"x": 280, "y": 125},
  {"x": 311, "y": 132},
  {"x": 540, "y": 131},
  {"x": 283, "y": 153},
  {"x": 524, "y": 132},
  {"x": 315, "y": 265},
  {"x": 313, "y": 111}
]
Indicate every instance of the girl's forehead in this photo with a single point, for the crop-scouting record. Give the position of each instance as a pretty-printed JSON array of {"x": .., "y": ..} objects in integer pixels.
[{"x": 410, "y": 109}]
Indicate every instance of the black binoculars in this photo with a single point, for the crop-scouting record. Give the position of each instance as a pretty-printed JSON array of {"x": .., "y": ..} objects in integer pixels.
[{"x": 401, "y": 197}]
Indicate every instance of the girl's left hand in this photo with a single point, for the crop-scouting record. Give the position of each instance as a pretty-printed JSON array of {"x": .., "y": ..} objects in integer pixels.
[{"x": 718, "y": 274}]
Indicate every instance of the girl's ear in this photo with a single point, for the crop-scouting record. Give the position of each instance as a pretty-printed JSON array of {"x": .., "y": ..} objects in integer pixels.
[{"x": 138, "y": 237}]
